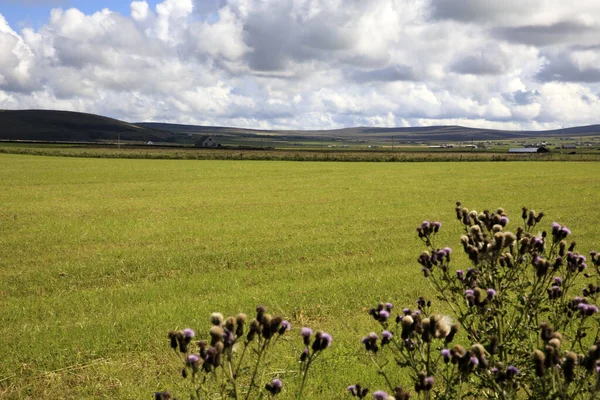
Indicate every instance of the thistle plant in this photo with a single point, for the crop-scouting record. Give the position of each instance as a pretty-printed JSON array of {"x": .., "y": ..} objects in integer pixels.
[
  {"x": 519, "y": 325},
  {"x": 230, "y": 362}
]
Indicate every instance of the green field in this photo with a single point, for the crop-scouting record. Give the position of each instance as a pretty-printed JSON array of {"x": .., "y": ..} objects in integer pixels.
[{"x": 99, "y": 258}]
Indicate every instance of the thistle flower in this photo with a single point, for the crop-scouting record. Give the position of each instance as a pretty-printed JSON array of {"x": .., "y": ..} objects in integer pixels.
[
  {"x": 216, "y": 318},
  {"x": 384, "y": 315},
  {"x": 304, "y": 355},
  {"x": 474, "y": 361},
  {"x": 189, "y": 333},
  {"x": 389, "y": 306},
  {"x": 322, "y": 341},
  {"x": 216, "y": 334},
  {"x": 192, "y": 359},
  {"x": 274, "y": 387},
  {"x": 358, "y": 391},
  {"x": 284, "y": 327},
  {"x": 381, "y": 395},
  {"x": 428, "y": 384},
  {"x": 491, "y": 293},
  {"x": 460, "y": 274},
  {"x": 370, "y": 342},
  {"x": 306, "y": 333},
  {"x": 446, "y": 355},
  {"x": 386, "y": 337},
  {"x": 512, "y": 371}
]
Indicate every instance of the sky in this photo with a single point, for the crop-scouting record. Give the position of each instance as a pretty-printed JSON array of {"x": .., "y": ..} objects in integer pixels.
[{"x": 307, "y": 64}]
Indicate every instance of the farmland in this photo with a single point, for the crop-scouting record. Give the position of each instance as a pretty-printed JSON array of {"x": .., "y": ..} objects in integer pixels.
[{"x": 101, "y": 257}]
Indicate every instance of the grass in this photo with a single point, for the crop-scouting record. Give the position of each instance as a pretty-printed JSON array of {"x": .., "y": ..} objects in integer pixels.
[
  {"x": 101, "y": 257},
  {"x": 399, "y": 154}
]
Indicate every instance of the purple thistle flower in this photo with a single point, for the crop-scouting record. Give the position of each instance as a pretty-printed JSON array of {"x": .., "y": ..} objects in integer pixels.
[
  {"x": 370, "y": 336},
  {"x": 437, "y": 224},
  {"x": 491, "y": 293},
  {"x": 448, "y": 250},
  {"x": 429, "y": 381},
  {"x": 192, "y": 359},
  {"x": 597, "y": 368},
  {"x": 474, "y": 361},
  {"x": 351, "y": 389},
  {"x": 558, "y": 280},
  {"x": 446, "y": 354},
  {"x": 425, "y": 225},
  {"x": 306, "y": 332},
  {"x": 189, "y": 333},
  {"x": 582, "y": 307},
  {"x": 387, "y": 335},
  {"x": 384, "y": 315},
  {"x": 276, "y": 383},
  {"x": 285, "y": 325},
  {"x": 326, "y": 340},
  {"x": 380, "y": 395},
  {"x": 592, "y": 309},
  {"x": 565, "y": 231},
  {"x": 406, "y": 311},
  {"x": 504, "y": 221},
  {"x": 512, "y": 370},
  {"x": 469, "y": 294},
  {"x": 389, "y": 306},
  {"x": 460, "y": 274}
]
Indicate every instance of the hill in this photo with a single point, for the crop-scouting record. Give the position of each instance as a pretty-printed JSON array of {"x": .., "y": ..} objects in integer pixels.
[
  {"x": 428, "y": 133},
  {"x": 57, "y": 126}
]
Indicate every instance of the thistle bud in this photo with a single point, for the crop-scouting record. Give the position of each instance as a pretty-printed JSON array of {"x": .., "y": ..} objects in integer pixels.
[
  {"x": 230, "y": 324},
  {"x": 568, "y": 366},
  {"x": 216, "y": 335},
  {"x": 240, "y": 321},
  {"x": 539, "y": 361}
]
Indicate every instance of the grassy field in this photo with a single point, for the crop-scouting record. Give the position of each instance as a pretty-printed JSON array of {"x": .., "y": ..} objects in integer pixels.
[
  {"x": 399, "y": 154},
  {"x": 99, "y": 258}
]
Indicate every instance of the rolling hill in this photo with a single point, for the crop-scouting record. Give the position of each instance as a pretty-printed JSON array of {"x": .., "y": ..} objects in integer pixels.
[{"x": 66, "y": 126}]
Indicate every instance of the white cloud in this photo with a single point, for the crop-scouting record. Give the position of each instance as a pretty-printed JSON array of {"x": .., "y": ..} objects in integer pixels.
[{"x": 314, "y": 63}]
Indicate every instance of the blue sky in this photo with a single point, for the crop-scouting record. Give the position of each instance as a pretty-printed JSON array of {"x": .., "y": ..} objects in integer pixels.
[{"x": 34, "y": 13}]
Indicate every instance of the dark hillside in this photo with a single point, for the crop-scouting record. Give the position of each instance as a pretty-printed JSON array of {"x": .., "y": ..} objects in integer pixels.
[{"x": 48, "y": 125}]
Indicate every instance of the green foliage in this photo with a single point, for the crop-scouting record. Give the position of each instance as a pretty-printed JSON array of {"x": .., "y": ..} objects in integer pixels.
[{"x": 530, "y": 330}]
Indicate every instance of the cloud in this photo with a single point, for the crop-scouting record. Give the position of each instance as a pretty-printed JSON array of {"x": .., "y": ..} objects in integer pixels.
[
  {"x": 387, "y": 74},
  {"x": 314, "y": 64},
  {"x": 571, "y": 66},
  {"x": 544, "y": 35}
]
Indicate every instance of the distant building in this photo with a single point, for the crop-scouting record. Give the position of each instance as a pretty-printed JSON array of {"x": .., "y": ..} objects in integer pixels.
[
  {"x": 206, "y": 141},
  {"x": 150, "y": 142},
  {"x": 569, "y": 146},
  {"x": 529, "y": 150}
]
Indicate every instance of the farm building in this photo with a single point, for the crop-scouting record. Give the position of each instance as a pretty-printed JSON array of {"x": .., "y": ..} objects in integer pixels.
[
  {"x": 569, "y": 146},
  {"x": 206, "y": 141},
  {"x": 529, "y": 150}
]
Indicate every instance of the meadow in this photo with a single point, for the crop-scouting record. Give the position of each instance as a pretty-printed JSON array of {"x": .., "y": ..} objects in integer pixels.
[{"x": 99, "y": 258}]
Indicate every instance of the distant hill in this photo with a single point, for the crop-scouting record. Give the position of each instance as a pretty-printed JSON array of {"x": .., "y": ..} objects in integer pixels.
[
  {"x": 48, "y": 125},
  {"x": 442, "y": 133},
  {"x": 57, "y": 126}
]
